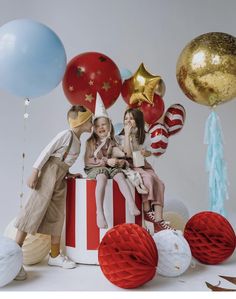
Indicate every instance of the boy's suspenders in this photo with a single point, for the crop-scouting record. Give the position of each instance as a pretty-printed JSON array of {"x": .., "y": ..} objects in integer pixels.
[{"x": 68, "y": 148}]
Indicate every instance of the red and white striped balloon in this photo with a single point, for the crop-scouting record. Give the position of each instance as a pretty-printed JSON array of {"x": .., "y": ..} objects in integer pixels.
[
  {"x": 174, "y": 118},
  {"x": 158, "y": 135}
]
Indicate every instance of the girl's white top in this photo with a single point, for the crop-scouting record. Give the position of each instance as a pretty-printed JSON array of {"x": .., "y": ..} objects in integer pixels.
[
  {"x": 135, "y": 146},
  {"x": 57, "y": 148}
]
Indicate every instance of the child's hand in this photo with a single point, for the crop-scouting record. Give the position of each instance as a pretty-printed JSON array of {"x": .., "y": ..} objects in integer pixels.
[
  {"x": 127, "y": 129},
  {"x": 74, "y": 175},
  {"x": 121, "y": 163},
  {"x": 145, "y": 153},
  {"x": 33, "y": 179},
  {"x": 112, "y": 162}
]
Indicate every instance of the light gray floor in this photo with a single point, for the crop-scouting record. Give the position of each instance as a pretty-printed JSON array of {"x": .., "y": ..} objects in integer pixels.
[{"x": 41, "y": 277}]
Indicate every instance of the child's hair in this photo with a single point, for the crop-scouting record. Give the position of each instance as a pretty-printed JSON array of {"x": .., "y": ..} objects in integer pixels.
[
  {"x": 94, "y": 137},
  {"x": 139, "y": 120},
  {"x": 73, "y": 112}
]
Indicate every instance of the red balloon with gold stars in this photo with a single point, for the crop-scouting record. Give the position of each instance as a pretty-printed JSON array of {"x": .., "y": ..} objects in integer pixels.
[{"x": 89, "y": 73}]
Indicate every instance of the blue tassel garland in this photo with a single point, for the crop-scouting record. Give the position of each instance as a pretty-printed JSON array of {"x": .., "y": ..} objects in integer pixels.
[{"x": 215, "y": 164}]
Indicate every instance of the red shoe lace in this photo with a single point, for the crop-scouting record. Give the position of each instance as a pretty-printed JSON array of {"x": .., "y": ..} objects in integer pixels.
[
  {"x": 165, "y": 225},
  {"x": 149, "y": 216},
  {"x": 162, "y": 225},
  {"x": 158, "y": 225}
]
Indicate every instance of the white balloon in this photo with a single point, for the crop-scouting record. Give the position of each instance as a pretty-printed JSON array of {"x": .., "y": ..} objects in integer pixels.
[
  {"x": 11, "y": 259},
  {"x": 177, "y": 206},
  {"x": 174, "y": 254},
  {"x": 35, "y": 248}
]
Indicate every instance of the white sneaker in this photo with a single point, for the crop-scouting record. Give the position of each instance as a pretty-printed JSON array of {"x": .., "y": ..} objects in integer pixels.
[
  {"x": 61, "y": 261},
  {"x": 22, "y": 275}
]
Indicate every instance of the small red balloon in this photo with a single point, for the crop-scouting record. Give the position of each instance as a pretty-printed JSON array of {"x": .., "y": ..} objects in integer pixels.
[
  {"x": 89, "y": 73},
  {"x": 211, "y": 237},
  {"x": 153, "y": 112},
  {"x": 128, "y": 256}
]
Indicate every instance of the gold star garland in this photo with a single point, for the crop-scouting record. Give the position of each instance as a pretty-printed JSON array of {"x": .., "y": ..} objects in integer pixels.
[{"x": 26, "y": 115}]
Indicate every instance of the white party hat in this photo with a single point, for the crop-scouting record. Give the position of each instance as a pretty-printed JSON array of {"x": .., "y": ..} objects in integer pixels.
[{"x": 100, "y": 110}]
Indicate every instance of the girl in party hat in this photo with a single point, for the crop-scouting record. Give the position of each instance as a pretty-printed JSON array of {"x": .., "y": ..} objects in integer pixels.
[{"x": 100, "y": 165}]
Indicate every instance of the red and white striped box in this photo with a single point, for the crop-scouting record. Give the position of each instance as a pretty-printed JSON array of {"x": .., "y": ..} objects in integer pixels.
[{"x": 82, "y": 236}]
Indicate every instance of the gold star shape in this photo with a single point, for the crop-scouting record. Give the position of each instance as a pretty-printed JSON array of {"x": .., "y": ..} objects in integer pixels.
[
  {"x": 92, "y": 76},
  {"x": 102, "y": 58},
  {"x": 106, "y": 86},
  {"x": 144, "y": 85},
  {"x": 71, "y": 88},
  {"x": 91, "y": 82},
  {"x": 89, "y": 98},
  {"x": 80, "y": 71}
]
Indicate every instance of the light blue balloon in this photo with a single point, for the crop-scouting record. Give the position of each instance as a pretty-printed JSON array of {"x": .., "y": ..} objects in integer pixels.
[
  {"x": 125, "y": 74},
  {"x": 118, "y": 127},
  {"x": 32, "y": 58}
]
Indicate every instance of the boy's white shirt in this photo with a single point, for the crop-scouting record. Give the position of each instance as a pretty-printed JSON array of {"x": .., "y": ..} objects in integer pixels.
[{"x": 57, "y": 147}]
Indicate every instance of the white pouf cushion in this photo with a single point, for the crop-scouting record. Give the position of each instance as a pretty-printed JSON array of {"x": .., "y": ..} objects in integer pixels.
[
  {"x": 176, "y": 220},
  {"x": 11, "y": 259},
  {"x": 177, "y": 206},
  {"x": 35, "y": 248}
]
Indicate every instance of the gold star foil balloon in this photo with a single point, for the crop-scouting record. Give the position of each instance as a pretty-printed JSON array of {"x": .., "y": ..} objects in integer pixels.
[
  {"x": 140, "y": 87},
  {"x": 206, "y": 69},
  {"x": 160, "y": 88}
]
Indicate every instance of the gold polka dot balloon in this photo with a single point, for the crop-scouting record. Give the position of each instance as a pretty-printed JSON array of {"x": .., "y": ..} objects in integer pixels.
[{"x": 206, "y": 69}]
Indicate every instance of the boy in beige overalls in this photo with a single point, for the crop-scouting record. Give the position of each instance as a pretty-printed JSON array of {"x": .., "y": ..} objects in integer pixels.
[{"x": 44, "y": 211}]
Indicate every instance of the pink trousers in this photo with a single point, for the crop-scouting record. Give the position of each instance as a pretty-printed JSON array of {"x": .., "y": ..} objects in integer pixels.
[{"x": 154, "y": 185}]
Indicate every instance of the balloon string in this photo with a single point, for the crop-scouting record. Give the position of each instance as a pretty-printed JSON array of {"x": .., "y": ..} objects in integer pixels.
[{"x": 26, "y": 115}]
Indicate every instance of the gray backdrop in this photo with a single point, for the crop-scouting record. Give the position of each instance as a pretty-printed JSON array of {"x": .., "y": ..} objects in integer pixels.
[{"x": 129, "y": 32}]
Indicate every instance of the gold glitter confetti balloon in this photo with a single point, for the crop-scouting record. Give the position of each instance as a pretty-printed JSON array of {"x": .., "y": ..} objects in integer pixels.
[{"x": 206, "y": 69}]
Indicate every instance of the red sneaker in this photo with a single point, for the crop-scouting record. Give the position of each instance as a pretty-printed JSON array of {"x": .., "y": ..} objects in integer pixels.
[
  {"x": 161, "y": 225},
  {"x": 158, "y": 225},
  {"x": 149, "y": 216}
]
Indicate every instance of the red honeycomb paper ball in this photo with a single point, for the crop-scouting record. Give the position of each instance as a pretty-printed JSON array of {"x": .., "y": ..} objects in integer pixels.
[
  {"x": 211, "y": 237},
  {"x": 128, "y": 256}
]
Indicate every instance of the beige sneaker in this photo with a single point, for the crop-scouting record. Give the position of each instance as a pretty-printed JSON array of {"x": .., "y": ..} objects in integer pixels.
[{"x": 22, "y": 275}]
